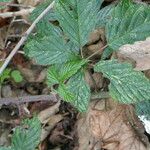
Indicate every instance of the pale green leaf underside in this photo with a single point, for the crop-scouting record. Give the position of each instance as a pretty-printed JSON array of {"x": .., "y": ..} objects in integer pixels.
[
  {"x": 78, "y": 86},
  {"x": 78, "y": 18},
  {"x": 129, "y": 23},
  {"x": 126, "y": 85}
]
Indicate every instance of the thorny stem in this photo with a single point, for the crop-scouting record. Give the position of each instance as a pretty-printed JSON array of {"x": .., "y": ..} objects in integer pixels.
[{"x": 96, "y": 52}]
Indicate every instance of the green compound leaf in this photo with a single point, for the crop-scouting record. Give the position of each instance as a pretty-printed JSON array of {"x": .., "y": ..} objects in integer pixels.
[
  {"x": 78, "y": 18},
  {"x": 104, "y": 15},
  {"x": 49, "y": 50},
  {"x": 53, "y": 76},
  {"x": 65, "y": 93},
  {"x": 130, "y": 22},
  {"x": 27, "y": 136},
  {"x": 81, "y": 90},
  {"x": 40, "y": 8},
  {"x": 70, "y": 68},
  {"x": 27, "y": 139},
  {"x": 126, "y": 85},
  {"x": 58, "y": 74}
]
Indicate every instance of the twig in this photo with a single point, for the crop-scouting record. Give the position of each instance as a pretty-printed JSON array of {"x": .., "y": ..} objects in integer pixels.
[
  {"x": 27, "y": 99},
  {"x": 52, "y": 97},
  {"x": 24, "y": 38},
  {"x": 97, "y": 52},
  {"x": 14, "y": 5},
  {"x": 16, "y": 13}
]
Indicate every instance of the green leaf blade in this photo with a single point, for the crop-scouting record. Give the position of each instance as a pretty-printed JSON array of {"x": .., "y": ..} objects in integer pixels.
[
  {"x": 126, "y": 85},
  {"x": 104, "y": 15},
  {"x": 58, "y": 74},
  {"x": 49, "y": 50},
  {"x": 78, "y": 18},
  {"x": 129, "y": 23},
  {"x": 81, "y": 90},
  {"x": 70, "y": 68},
  {"x": 27, "y": 139}
]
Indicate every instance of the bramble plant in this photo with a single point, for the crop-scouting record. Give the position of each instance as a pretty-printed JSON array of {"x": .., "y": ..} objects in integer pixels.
[
  {"x": 26, "y": 136},
  {"x": 59, "y": 41},
  {"x": 61, "y": 48}
]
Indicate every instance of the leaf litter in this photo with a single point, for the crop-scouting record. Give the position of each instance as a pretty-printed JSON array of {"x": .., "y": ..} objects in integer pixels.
[{"x": 107, "y": 125}]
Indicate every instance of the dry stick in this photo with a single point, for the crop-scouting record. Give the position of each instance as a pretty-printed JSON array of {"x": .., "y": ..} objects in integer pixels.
[
  {"x": 52, "y": 97},
  {"x": 24, "y": 38},
  {"x": 14, "y": 5},
  {"x": 17, "y": 13},
  {"x": 27, "y": 99}
]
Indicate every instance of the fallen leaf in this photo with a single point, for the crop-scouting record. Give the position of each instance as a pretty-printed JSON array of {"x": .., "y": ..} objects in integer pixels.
[
  {"x": 86, "y": 140},
  {"x": 52, "y": 121},
  {"x": 138, "y": 52},
  {"x": 33, "y": 73},
  {"x": 45, "y": 114},
  {"x": 117, "y": 127}
]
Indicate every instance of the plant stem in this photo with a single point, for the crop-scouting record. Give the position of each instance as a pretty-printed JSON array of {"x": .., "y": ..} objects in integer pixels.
[{"x": 101, "y": 49}]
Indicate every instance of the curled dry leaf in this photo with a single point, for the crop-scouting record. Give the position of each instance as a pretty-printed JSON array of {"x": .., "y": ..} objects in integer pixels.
[
  {"x": 138, "y": 52},
  {"x": 96, "y": 42},
  {"x": 34, "y": 74},
  {"x": 94, "y": 80},
  {"x": 52, "y": 121},
  {"x": 117, "y": 127},
  {"x": 47, "y": 113}
]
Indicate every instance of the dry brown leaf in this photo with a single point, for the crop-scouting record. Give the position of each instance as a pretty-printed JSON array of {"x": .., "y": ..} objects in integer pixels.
[
  {"x": 47, "y": 113},
  {"x": 117, "y": 127},
  {"x": 138, "y": 52},
  {"x": 33, "y": 74},
  {"x": 84, "y": 136},
  {"x": 29, "y": 2},
  {"x": 52, "y": 121}
]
